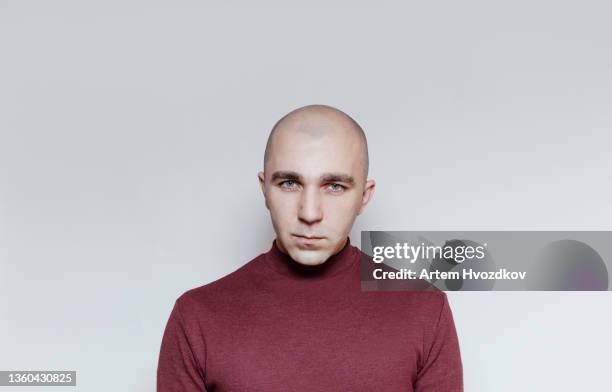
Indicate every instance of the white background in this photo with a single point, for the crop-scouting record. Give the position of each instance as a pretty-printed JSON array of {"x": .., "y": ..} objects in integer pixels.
[{"x": 131, "y": 134}]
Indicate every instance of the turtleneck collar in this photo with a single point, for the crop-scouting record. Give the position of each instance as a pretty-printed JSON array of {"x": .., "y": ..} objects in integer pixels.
[{"x": 285, "y": 265}]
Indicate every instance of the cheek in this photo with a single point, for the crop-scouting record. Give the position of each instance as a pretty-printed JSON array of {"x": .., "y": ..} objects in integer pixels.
[
  {"x": 346, "y": 203},
  {"x": 282, "y": 207},
  {"x": 341, "y": 211}
]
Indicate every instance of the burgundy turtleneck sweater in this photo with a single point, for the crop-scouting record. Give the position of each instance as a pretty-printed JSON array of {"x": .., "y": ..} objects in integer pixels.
[{"x": 276, "y": 325}]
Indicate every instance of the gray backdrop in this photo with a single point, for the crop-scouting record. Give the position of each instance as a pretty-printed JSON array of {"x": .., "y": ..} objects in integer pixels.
[{"x": 131, "y": 134}]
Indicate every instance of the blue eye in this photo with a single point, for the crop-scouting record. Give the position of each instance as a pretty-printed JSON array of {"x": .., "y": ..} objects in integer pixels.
[
  {"x": 288, "y": 184},
  {"x": 336, "y": 187}
]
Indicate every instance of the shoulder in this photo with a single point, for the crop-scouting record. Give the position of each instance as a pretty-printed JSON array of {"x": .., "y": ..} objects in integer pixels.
[
  {"x": 432, "y": 303},
  {"x": 417, "y": 308},
  {"x": 228, "y": 288},
  {"x": 428, "y": 300}
]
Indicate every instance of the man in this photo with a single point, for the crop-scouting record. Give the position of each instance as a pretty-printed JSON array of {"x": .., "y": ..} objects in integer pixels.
[{"x": 295, "y": 318}]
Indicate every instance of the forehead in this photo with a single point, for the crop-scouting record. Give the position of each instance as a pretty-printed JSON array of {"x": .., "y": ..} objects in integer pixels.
[{"x": 313, "y": 152}]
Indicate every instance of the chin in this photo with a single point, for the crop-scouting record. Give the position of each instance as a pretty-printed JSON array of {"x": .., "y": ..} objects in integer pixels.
[{"x": 309, "y": 257}]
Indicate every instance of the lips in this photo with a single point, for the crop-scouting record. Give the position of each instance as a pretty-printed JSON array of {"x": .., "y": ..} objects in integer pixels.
[
  {"x": 309, "y": 237},
  {"x": 308, "y": 241}
]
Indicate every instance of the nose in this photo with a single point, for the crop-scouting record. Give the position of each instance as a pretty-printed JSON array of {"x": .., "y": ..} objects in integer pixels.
[{"x": 309, "y": 210}]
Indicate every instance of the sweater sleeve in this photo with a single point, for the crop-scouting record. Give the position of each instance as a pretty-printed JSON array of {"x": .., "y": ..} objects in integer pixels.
[
  {"x": 178, "y": 368},
  {"x": 441, "y": 369}
]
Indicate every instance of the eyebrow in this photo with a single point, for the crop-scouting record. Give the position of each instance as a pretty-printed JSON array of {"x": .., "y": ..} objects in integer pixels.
[{"x": 327, "y": 177}]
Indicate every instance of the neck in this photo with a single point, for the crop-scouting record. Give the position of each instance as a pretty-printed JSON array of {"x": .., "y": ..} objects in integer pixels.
[{"x": 281, "y": 262}]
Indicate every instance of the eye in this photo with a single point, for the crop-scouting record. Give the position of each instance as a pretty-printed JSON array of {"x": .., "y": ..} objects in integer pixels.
[
  {"x": 336, "y": 188},
  {"x": 288, "y": 184}
]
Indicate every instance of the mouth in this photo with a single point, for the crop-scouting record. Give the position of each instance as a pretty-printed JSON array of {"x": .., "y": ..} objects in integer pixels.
[
  {"x": 307, "y": 241},
  {"x": 308, "y": 237}
]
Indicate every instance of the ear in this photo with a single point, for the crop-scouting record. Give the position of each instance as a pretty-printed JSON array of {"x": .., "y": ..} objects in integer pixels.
[
  {"x": 262, "y": 184},
  {"x": 368, "y": 191}
]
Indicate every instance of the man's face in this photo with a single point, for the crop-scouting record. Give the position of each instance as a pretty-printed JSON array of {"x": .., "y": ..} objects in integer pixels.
[{"x": 314, "y": 187}]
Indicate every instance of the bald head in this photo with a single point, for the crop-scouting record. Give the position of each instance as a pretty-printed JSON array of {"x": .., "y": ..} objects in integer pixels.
[
  {"x": 315, "y": 181},
  {"x": 317, "y": 122}
]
